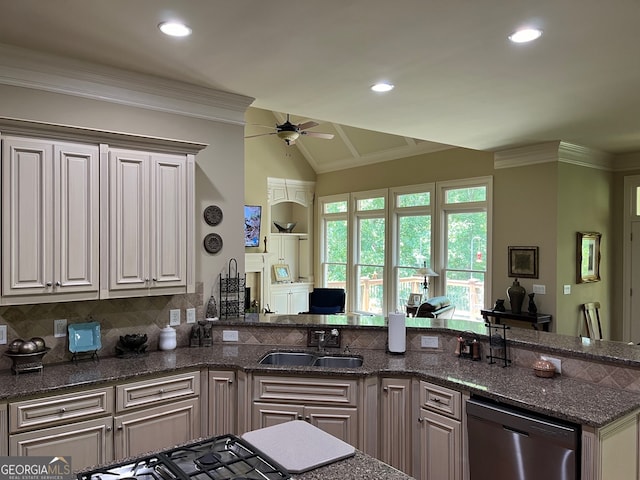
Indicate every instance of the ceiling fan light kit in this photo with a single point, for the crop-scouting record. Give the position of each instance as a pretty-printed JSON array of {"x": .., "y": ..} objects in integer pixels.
[{"x": 289, "y": 132}]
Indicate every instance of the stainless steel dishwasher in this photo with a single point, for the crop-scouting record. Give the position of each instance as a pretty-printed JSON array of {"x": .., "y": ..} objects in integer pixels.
[{"x": 511, "y": 444}]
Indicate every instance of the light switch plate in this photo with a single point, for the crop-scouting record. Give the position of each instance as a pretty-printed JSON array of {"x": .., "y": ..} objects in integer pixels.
[
  {"x": 3, "y": 334},
  {"x": 191, "y": 315},
  {"x": 230, "y": 335},
  {"x": 567, "y": 290},
  {"x": 174, "y": 317},
  {"x": 428, "y": 341},
  {"x": 60, "y": 328},
  {"x": 539, "y": 289}
]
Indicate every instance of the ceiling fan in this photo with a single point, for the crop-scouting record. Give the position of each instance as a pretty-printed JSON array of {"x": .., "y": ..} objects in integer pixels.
[{"x": 289, "y": 132}]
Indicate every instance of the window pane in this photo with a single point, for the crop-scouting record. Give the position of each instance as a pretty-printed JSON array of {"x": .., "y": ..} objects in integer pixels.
[
  {"x": 371, "y": 204},
  {"x": 371, "y": 241},
  {"x": 335, "y": 207},
  {"x": 409, "y": 281},
  {"x": 466, "y": 292},
  {"x": 371, "y": 289},
  {"x": 414, "y": 240},
  {"x": 463, "y": 195},
  {"x": 414, "y": 199},
  {"x": 335, "y": 276},
  {"x": 336, "y": 241},
  {"x": 466, "y": 241}
]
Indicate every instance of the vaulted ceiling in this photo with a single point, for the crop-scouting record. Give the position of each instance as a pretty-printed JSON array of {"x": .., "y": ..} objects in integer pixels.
[{"x": 458, "y": 80}]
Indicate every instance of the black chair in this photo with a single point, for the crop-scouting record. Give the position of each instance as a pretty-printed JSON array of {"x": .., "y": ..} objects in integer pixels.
[{"x": 326, "y": 301}]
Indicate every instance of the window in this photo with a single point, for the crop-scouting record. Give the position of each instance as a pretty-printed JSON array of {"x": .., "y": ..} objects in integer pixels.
[
  {"x": 465, "y": 223},
  {"x": 375, "y": 243},
  {"x": 369, "y": 253}
]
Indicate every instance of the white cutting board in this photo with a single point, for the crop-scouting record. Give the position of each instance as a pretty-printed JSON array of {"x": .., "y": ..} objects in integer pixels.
[{"x": 299, "y": 446}]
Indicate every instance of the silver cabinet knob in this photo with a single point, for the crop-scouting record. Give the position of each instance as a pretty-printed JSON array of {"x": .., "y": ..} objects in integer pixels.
[
  {"x": 109, "y": 429},
  {"x": 58, "y": 284},
  {"x": 48, "y": 284},
  {"x": 420, "y": 419}
]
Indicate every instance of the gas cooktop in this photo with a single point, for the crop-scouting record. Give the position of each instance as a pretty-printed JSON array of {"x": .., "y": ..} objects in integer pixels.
[{"x": 223, "y": 457}]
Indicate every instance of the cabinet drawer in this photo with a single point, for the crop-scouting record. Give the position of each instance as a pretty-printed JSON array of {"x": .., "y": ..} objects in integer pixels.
[
  {"x": 440, "y": 399},
  {"x": 327, "y": 391},
  {"x": 157, "y": 390},
  {"x": 57, "y": 409}
]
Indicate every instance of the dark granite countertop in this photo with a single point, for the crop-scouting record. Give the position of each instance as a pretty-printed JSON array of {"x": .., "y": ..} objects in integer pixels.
[
  {"x": 560, "y": 397},
  {"x": 358, "y": 467}
]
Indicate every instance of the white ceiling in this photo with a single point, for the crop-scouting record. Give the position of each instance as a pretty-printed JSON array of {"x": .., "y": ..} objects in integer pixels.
[{"x": 459, "y": 81}]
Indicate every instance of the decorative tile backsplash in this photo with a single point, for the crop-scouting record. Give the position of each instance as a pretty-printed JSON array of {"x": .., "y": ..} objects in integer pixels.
[{"x": 116, "y": 317}]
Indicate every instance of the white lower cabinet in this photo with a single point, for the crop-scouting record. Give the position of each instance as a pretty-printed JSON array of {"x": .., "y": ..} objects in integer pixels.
[
  {"x": 88, "y": 443},
  {"x": 396, "y": 423},
  {"x": 4, "y": 430},
  {"x": 78, "y": 424},
  {"x": 222, "y": 408},
  {"x": 290, "y": 298},
  {"x": 330, "y": 404},
  {"x": 439, "y": 436},
  {"x": 156, "y": 428},
  {"x": 156, "y": 413}
]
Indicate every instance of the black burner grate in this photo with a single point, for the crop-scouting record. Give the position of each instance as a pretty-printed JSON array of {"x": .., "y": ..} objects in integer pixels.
[{"x": 219, "y": 458}]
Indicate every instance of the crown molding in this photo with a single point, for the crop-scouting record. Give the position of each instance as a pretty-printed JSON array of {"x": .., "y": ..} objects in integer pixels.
[
  {"x": 29, "y": 69},
  {"x": 550, "y": 152}
]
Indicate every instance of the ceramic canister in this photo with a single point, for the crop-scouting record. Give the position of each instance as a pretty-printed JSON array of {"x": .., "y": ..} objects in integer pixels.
[{"x": 168, "y": 339}]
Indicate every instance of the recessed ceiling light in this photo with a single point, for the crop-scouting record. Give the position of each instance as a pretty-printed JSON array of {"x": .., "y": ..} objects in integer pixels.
[
  {"x": 175, "y": 29},
  {"x": 525, "y": 35},
  {"x": 382, "y": 87}
]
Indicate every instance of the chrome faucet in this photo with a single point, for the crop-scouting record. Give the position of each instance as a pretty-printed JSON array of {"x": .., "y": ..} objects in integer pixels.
[{"x": 323, "y": 337}]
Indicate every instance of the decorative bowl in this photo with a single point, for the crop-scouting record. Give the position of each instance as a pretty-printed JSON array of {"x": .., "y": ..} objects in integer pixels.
[
  {"x": 285, "y": 227},
  {"x": 544, "y": 369},
  {"x": 133, "y": 341}
]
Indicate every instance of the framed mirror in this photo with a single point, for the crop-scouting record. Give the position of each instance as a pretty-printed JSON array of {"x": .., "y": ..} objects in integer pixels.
[{"x": 588, "y": 257}]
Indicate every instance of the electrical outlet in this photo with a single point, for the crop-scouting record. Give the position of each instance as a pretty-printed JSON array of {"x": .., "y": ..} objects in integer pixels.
[
  {"x": 60, "y": 328},
  {"x": 174, "y": 317},
  {"x": 567, "y": 290},
  {"x": 428, "y": 341},
  {"x": 3, "y": 334},
  {"x": 191, "y": 315},
  {"x": 539, "y": 289},
  {"x": 556, "y": 362},
  {"x": 230, "y": 335}
]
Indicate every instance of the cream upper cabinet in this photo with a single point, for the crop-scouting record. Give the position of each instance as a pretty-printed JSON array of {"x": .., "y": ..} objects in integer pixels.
[
  {"x": 50, "y": 220},
  {"x": 147, "y": 223}
]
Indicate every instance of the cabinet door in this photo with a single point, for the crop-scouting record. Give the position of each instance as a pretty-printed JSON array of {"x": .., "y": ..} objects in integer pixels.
[
  {"x": 4, "y": 430},
  {"x": 440, "y": 447},
  {"x": 128, "y": 219},
  {"x": 396, "y": 423},
  {"x": 299, "y": 299},
  {"x": 339, "y": 422},
  {"x": 168, "y": 221},
  {"x": 268, "y": 414},
  {"x": 156, "y": 428},
  {"x": 289, "y": 252},
  {"x": 280, "y": 300},
  {"x": 27, "y": 216},
  {"x": 76, "y": 215},
  {"x": 222, "y": 403},
  {"x": 88, "y": 443}
]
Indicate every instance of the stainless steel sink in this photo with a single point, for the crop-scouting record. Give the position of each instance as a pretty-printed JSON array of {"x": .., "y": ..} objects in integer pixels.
[
  {"x": 287, "y": 358},
  {"x": 337, "y": 362},
  {"x": 303, "y": 359}
]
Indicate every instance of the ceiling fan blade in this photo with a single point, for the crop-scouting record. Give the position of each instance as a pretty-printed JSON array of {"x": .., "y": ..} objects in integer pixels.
[
  {"x": 308, "y": 124},
  {"x": 260, "y": 135},
  {"x": 327, "y": 136}
]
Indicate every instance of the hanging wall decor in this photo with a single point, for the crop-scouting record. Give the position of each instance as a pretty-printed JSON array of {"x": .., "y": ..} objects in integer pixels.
[
  {"x": 523, "y": 262},
  {"x": 213, "y": 243},
  {"x": 213, "y": 215},
  {"x": 588, "y": 257}
]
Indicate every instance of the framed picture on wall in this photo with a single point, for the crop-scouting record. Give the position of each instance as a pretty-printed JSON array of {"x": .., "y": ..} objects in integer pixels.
[
  {"x": 588, "y": 257},
  {"x": 281, "y": 273},
  {"x": 523, "y": 262}
]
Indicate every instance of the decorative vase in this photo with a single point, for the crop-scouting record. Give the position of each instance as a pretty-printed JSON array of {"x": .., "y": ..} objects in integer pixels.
[
  {"x": 516, "y": 295},
  {"x": 532, "y": 306}
]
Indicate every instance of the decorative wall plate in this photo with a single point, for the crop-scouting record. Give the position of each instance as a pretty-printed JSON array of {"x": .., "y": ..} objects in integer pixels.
[
  {"x": 213, "y": 243},
  {"x": 213, "y": 215}
]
